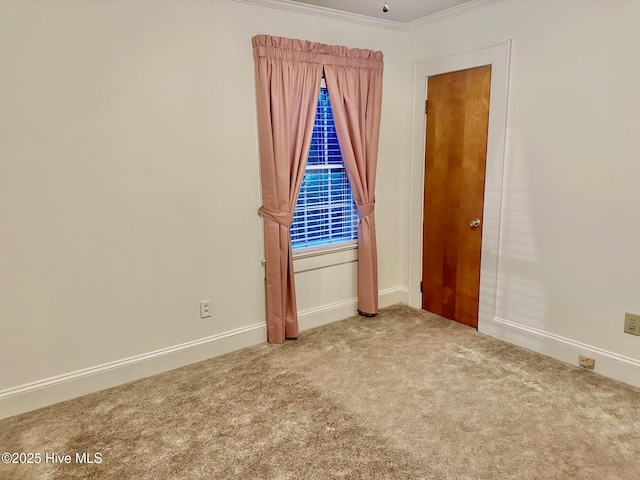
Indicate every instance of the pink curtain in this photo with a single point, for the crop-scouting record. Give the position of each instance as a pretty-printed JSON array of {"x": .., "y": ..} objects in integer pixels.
[
  {"x": 287, "y": 88},
  {"x": 355, "y": 90},
  {"x": 288, "y": 74}
]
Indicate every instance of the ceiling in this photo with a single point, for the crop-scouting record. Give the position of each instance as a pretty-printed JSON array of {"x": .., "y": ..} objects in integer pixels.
[{"x": 403, "y": 11}]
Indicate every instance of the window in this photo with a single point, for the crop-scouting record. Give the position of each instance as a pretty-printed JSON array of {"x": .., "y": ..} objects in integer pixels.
[{"x": 325, "y": 213}]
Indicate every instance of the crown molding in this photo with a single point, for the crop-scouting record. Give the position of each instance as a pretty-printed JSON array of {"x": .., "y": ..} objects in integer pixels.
[
  {"x": 324, "y": 12},
  {"x": 448, "y": 13}
]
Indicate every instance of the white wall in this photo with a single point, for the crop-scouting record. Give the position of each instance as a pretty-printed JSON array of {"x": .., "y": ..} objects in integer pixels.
[
  {"x": 569, "y": 251},
  {"x": 129, "y": 179}
]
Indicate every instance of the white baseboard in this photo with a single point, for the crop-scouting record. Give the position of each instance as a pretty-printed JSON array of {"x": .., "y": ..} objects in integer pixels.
[
  {"x": 24, "y": 398},
  {"x": 42, "y": 393},
  {"x": 316, "y": 317},
  {"x": 609, "y": 364}
]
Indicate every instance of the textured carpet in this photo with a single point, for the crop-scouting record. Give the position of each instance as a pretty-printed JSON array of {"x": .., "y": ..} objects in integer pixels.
[{"x": 405, "y": 395}]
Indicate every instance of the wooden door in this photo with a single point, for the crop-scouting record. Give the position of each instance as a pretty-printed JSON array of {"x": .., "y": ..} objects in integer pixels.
[{"x": 455, "y": 159}]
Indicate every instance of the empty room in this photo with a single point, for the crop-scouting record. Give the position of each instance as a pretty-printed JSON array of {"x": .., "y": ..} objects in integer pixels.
[{"x": 319, "y": 239}]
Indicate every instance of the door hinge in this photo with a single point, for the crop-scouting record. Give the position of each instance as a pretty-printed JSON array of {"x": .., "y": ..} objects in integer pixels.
[
  {"x": 420, "y": 287},
  {"x": 426, "y": 106}
]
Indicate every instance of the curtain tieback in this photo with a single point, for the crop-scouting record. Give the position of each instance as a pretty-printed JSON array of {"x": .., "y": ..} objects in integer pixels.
[
  {"x": 283, "y": 218},
  {"x": 366, "y": 209}
]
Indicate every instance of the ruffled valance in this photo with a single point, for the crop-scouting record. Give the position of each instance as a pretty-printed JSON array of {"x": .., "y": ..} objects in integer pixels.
[{"x": 290, "y": 49}]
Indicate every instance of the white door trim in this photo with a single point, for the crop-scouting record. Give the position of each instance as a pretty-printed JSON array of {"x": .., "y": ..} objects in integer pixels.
[{"x": 498, "y": 57}]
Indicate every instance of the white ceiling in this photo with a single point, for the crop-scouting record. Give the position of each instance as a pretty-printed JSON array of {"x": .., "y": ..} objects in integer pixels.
[{"x": 403, "y": 11}]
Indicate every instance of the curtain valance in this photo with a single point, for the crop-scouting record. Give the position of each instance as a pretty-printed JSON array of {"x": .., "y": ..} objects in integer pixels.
[{"x": 290, "y": 49}]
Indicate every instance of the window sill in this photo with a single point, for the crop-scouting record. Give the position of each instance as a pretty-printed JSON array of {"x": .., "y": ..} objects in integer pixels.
[{"x": 313, "y": 259}]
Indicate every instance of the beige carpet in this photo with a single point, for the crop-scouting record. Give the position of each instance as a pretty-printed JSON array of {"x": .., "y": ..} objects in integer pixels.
[{"x": 405, "y": 395}]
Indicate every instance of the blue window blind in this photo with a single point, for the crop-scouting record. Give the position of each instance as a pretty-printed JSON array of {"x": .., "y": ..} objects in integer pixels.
[{"x": 325, "y": 213}]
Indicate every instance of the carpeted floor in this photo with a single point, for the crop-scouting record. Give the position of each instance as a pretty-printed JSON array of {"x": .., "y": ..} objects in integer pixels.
[{"x": 405, "y": 395}]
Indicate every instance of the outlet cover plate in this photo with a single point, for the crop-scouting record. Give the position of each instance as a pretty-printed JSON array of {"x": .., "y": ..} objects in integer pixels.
[
  {"x": 632, "y": 324},
  {"x": 586, "y": 362},
  {"x": 205, "y": 311}
]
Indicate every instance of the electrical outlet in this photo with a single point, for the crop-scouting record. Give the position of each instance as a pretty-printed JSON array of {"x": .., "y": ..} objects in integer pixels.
[
  {"x": 632, "y": 324},
  {"x": 586, "y": 362},
  {"x": 204, "y": 309}
]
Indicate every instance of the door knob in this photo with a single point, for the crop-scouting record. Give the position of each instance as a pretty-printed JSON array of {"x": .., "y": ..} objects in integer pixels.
[{"x": 474, "y": 223}]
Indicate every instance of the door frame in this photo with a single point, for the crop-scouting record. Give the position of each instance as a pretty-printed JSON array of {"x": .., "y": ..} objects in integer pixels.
[{"x": 498, "y": 56}]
